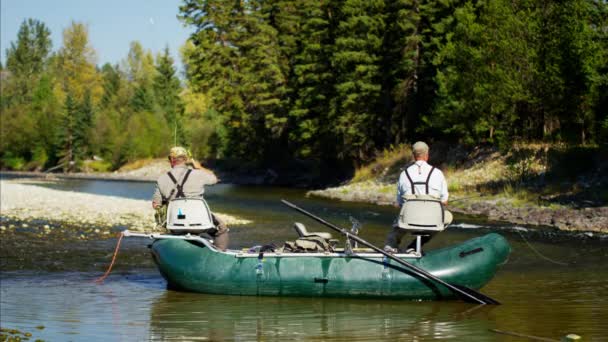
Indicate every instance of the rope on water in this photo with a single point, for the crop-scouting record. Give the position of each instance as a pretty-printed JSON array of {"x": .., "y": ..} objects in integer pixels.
[
  {"x": 523, "y": 335},
  {"x": 537, "y": 252},
  {"x": 101, "y": 279}
]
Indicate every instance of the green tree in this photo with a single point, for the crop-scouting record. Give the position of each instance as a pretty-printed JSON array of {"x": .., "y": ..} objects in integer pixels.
[
  {"x": 76, "y": 69},
  {"x": 578, "y": 68},
  {"x": 311, "y": 133},
  {"x": 26, "y": 58},
  {"x": 356, "y": 106},
  {"x": 482, "y": 71},
  {"x": 45, "y": 114},
  {"x": 401, "y": 63},
  {"x": 236, "y": 60},
  {"x": 82, "y": 127},
  {"x": 167, "y": 88},
  {"x": 140, "y": 72},
  {"x": 66, "y": 135},
  {"x": 111, "y": 83}
]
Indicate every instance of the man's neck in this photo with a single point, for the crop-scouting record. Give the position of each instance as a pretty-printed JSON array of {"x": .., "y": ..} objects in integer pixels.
[{"x": 179, "y": 165}]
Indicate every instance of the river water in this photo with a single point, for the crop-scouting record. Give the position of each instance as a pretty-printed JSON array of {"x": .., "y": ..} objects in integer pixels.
[{"x": 554, "y": 284}]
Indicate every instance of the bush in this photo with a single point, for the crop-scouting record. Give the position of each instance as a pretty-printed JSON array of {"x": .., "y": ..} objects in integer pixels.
[
  {"x": 10, "y": 162},
  {"x": 96, "y": 166}
]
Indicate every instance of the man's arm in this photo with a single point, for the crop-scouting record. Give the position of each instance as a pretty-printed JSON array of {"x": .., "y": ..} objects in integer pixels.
[
  {"x": 444, "y": 190},
  {"x": 401, "y": 190}
]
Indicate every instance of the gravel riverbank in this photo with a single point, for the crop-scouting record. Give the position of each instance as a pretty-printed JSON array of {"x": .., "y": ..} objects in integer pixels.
[
  {"x": 593, "y": 219},
  {"x": 31, "y": 202},
  {"x": 147, "y": 173}
]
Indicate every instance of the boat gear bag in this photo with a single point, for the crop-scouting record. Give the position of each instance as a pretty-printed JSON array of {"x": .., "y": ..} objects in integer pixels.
[
  {"x": 187, "y": 214},
  {"x": 307, "y": 244}
]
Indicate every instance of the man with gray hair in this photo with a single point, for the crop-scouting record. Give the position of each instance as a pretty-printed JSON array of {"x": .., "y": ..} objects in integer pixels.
[{"x": 418, "y": 179}]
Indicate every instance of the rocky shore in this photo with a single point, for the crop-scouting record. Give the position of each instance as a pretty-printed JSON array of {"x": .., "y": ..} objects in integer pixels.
[
  {"x": 20, "y": 201},
  {"x": 592, "y": 219}
]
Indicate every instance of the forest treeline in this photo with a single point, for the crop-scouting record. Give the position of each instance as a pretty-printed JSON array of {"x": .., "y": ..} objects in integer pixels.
[{"x": 331, "y": 82}]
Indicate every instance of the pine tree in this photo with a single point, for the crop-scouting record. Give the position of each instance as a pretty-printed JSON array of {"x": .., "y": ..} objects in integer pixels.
[
  {"x": 66, "y": 135},
  {"x": 44, "y": 113},
  {"x": 311, "y": 133},
  {"x": 236, "y": 61},
  {"x": 399, "y": 66},
  {"x": 479, "y": 73},
  {"x": 111, "y": 80},
  {"x": 357, "y": 62},
  {"x": 578, "y": 66},
  {"x": 166, "y": 90},
  {"x": 83, "y": 122},
  {"x": 26, "y": 58},
  {"x": 599, "y": 20}
]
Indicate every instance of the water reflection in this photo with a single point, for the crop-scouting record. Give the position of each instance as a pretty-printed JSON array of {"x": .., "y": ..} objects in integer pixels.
[{"x": 227, "y": 318}]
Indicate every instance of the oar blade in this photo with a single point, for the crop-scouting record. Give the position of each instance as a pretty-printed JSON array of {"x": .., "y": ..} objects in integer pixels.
[{"x": 480, "y": 298}]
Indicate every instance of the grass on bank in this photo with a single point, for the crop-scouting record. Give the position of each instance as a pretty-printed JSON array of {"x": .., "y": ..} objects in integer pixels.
[{"x": 549, "y": 175}]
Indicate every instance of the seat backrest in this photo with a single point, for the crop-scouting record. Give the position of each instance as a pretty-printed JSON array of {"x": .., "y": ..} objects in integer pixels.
[
  {"x": 421, "y": 214},
  {"x": 189, "y": 215},
  {"x": 303, "y": 232},
  {"x": 300, "y": 229}
]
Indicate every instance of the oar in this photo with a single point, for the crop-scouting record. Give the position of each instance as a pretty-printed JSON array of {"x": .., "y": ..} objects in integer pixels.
[{"x": 463, "y": 292}]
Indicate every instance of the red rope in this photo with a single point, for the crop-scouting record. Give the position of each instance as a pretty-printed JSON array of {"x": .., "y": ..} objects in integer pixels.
[{"x": 101, "y": 279}]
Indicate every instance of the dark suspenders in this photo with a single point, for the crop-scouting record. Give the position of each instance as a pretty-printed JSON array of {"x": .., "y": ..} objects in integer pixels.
[
  {"x": 412, "y": 183},
  {"x": 178, "y": 187}
]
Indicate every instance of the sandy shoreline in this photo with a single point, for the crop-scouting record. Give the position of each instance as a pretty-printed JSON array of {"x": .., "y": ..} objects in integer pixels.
[{"x": 31, "y": 202}]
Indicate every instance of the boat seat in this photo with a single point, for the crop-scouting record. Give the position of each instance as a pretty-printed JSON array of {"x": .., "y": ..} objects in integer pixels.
[
  {"x": 189, "y": 215},
  {"x": 421, "y": 215},
  {"x": 302, "y": 232}
]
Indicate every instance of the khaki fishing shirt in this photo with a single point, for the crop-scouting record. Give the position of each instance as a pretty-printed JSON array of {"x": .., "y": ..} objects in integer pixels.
[{"x": 194, "y": 187}]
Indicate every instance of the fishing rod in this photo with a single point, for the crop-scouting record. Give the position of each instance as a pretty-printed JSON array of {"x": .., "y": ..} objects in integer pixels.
[{"x": 466, "y": 198}]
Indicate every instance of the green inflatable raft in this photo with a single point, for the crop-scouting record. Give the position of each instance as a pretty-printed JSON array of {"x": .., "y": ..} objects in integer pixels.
[{"x": 193, "y": 264}]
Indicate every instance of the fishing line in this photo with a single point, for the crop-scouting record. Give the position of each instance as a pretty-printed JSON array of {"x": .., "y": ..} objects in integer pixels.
[
  {"x": 537, "y": 252},
  {"x": 100, "y": 279}
]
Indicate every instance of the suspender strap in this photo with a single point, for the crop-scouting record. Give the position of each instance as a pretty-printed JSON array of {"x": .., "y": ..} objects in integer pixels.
[
  {"x": 166, "y": 200},
  {"x": 172, "y": 177},
  {"x": 412, "y": 183},
  {"x": 428, "y": 178},
  {"x": 180, "y": 187}
]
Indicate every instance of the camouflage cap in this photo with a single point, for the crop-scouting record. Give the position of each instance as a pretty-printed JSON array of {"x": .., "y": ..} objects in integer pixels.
[{"x": 178, "y": 152}]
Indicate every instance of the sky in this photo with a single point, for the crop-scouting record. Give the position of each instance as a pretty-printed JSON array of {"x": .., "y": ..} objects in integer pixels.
[{"x": 113, "y": 24}]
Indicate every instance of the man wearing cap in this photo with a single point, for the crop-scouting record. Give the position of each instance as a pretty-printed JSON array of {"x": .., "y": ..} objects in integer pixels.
[
  {"x": 193, "y": 187},
  {"x": 418, "y": 179}
]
